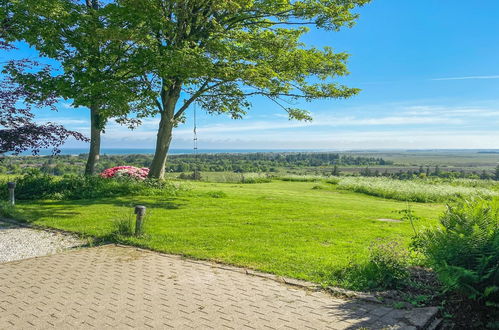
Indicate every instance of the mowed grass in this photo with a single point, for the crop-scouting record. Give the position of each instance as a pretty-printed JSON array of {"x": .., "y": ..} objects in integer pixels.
[{"x": 304, "y": 230}]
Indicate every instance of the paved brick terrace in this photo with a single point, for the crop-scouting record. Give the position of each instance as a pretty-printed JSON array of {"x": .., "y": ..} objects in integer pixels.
[{"x": 122, "y": 287}]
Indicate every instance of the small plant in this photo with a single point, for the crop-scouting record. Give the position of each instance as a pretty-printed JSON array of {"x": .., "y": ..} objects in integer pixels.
[
  {"x": 409, "y": 215},
  {"x": 389, "y": 263},
  {"x": 419, "y": 300},
  {"x": 8, "y": 210},
  {"x": 398, "y": 305},
  {"x": 124, "y": 226}
]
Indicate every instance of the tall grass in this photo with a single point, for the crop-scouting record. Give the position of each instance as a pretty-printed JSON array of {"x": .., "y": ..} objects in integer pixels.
[
  {"x": 412, "y": 190},
  {"x": 302, "y": 178}
]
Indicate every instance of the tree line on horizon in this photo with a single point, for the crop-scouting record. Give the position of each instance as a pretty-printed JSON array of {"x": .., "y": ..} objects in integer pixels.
[
  {"x": 301, "y": 163},
  {"x": 252, "y": 162},
  {"x": 127, "y": 60}
]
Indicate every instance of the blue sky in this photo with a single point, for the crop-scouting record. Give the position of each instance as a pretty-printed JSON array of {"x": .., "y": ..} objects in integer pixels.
[{"x": 429, "y": 74}]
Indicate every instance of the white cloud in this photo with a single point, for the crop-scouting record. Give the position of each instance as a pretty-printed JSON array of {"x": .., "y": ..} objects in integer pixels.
[
  {"x": 62, "y": 121},
  {"x": 361, "y": 140},
  {"x": 466, "y": 113},
  {"x": 468, "y": 77},
  {"x": 377, "y": 126},
  {"x": 324, "y": 121}
]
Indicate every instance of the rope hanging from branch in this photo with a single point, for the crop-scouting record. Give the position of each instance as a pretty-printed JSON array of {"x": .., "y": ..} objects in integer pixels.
[
  {"x": 195, "y": 143},
  {"x": 195, "y": 139}
]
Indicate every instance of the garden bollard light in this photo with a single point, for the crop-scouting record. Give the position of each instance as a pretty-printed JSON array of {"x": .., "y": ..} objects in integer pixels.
[
  {"x": 12, "y": 197},
  {"x": 140, "y": 211}
]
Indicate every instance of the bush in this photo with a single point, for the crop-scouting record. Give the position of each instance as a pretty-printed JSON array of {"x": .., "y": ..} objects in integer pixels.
[
  {"x": 126, "y": 171},
  {"x": 35, "y": 185},
  {"x": 387, "y": 267},
  {"x": 464, "y": 251},
  {"x": 196, "y": 175},
  {"x": 388, "y": 264}
]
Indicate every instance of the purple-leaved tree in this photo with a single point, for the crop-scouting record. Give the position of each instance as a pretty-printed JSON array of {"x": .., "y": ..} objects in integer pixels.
[{"x": 18, "y": 130}]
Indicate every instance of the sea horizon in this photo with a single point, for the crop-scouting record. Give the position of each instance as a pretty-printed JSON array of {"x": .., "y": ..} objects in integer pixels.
[
  {"x": 173, "y": 151},
  {"x": 180, "y": 151}
]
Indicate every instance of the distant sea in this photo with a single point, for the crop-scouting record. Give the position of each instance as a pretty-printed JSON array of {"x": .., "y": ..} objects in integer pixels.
[
  {"x": 148, "y": 151},
  {"x": 132, "y": 151}
]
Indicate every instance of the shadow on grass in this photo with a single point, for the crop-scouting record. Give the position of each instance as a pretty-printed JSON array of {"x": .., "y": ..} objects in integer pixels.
[{"x": 64, "y": 209}]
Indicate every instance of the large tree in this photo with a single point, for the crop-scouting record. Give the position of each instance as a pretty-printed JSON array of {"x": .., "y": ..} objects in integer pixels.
[
  {"x": 220, "y": 53},
  {"x": 93, "y": 72},
  {"x": 18, "y": 130}
]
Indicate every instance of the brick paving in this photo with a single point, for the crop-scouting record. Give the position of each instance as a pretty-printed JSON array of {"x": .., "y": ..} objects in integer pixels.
[{"x": 123, "y": 287}]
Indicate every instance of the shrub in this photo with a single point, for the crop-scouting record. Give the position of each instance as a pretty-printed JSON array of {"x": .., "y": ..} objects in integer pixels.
[
  {"x": 196, "y": 175},
  {"x": 35, "y": 185},
  {"x": 387, "y": 267},
  {"x": 464, "y": 251},
  {"x": 388, "y": 264},
  {"x": 125, "y": 171}
]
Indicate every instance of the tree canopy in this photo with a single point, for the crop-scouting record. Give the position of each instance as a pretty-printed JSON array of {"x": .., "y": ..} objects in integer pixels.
[
  {"x": 221, "y": 53},
  {"x": 92, "y": 68},
  {"x": 18, "y": 131},
  {"x": 158, "y": 57}
]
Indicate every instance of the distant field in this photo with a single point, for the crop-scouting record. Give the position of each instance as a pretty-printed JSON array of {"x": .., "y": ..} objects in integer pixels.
[
  {"x": 450, "y": 158},
  {"x": 467, "y": 161},
  {"x": 306, "y": 230}
]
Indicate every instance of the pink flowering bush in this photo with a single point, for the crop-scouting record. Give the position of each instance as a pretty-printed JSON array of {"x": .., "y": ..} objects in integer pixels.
[{"x": 126, "y": 172}]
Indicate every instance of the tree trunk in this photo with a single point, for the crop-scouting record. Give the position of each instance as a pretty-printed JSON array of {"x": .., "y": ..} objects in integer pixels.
[
  {"x": 95, "y": 120},
  {"x": 95, "y": 141},
  {"x": 169, "y": 98},
  {"x": 157, "y": 170}
]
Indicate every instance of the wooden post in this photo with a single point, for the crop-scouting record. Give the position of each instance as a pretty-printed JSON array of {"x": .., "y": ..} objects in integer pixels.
[
  {"x": 140, "y": 211},
  {"x": 12, "y": 196}
]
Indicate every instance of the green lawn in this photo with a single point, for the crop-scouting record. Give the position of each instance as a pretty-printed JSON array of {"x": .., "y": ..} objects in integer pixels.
[{"x": 286, "y": 228}]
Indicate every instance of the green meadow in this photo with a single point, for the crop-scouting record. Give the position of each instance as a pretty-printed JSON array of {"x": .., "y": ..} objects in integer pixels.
[{"x": 305, "y": 230}]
